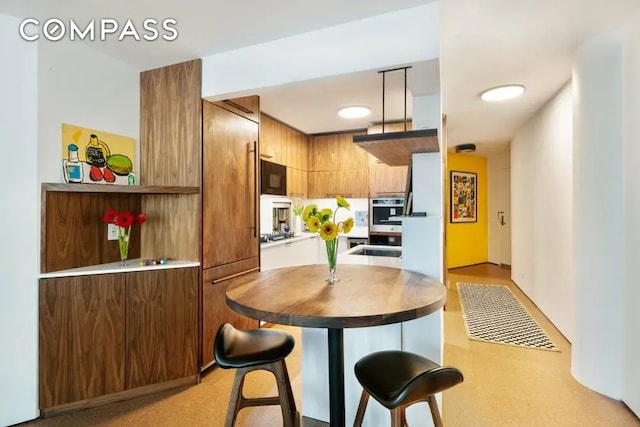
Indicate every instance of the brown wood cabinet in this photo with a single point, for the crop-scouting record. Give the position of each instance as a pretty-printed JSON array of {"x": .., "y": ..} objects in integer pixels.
[
  {"x": 230, "y": 218},
  {"x": 282, "y": 144},
  {"x": 102, "y": 335},
  {"x": 336, "y": 152},
  {"x": 81, "y": 338},
  {"x": 217, "y": 312},
  {"x": 297, "y": 183},
  {"x": 338, "y": 167},
  {"x": 161, "y": 325}
]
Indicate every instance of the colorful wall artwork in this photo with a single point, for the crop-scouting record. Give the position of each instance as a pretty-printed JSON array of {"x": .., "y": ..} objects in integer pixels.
[
  {"x": 97, "y": 157},
  {"x": 464, "y": 206}
]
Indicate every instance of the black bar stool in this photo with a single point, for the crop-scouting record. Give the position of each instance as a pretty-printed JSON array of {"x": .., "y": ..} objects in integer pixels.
[
  {"x": 252, "y": 350},
  {"x": 398, "y": 379}
]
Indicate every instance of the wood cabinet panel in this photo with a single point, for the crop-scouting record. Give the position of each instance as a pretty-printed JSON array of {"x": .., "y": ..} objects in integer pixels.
[
  {"x": 162, "y": 325},
  {"x": 246, "y": 106},
  {"x": 387, "y": 180},
  {"x": 170, "y": 124},
  {"x": 283, "y": 144},
  {"x": 229, "y": 187},
  {"x": 81, "y": 338},
  {"x": 216, "y": 312},
  {"x": 297, "y": 183},
  {"x": 171, "y": 154},
  {"x": 336, "y": 152},
  {"x": 346, "y": 183},
  {"x": 270, "y": 140},
  {"x": 74, "y": 233}
]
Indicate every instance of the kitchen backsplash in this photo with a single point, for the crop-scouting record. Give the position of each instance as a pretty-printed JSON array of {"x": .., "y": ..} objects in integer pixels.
[{"x": 357, "y": 205}]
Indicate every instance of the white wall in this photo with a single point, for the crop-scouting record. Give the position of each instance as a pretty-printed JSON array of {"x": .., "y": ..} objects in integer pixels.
[
  {"x": 42, "y": 86},
  {"x": 80, "y": 86},
  {"x": 19, "y": 213},
  {"x": 597, "y": 214},
  {"x": 631, "y": 213},
  {"x": 363, "y": 45},
  {"x": 541, "y": 211}
]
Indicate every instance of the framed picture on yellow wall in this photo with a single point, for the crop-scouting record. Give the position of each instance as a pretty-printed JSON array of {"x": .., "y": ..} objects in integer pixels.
[{"x": 463, "y": 197}]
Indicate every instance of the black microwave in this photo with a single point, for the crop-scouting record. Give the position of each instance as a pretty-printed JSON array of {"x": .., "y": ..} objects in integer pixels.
[{"x": 273, "y": 178}]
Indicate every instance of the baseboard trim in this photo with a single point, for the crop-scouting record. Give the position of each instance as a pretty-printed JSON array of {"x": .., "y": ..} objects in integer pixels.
[{"x": 118, "y": 396}]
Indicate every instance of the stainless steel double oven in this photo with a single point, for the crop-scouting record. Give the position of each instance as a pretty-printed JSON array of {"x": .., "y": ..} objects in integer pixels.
[{"x": 384, "y": 229}]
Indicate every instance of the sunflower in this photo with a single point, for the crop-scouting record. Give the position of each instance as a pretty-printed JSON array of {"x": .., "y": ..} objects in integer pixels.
[
  {"x": 342, "y": 202},
  {"x": 313, "y": 224},
  {"x": 309, "y": 211},
  {"x": 328, "y": 231},
  {"x": 325, "y": 215},
  {"x": 347, "y": 225}
]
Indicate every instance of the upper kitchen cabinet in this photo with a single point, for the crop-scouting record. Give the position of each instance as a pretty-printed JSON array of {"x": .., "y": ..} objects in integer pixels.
[
  {"x": 282, "y": 144},
  {"x": 337, "y": 166},
  {"x": 246, "y": 106},
  {"x": 385, "y": 180},
  {"x": 229, "y": 188}
]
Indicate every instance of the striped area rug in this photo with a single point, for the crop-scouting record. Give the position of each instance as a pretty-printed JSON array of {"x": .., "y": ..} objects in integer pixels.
[{"x": 492, "y": 313}]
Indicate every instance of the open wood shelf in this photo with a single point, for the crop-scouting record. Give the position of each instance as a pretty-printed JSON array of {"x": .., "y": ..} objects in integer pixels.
[{"x": 131, "y": 189}]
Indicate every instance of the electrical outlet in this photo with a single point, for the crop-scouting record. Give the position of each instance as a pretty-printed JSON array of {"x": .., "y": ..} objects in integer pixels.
[{"x": 112, "y": 232}]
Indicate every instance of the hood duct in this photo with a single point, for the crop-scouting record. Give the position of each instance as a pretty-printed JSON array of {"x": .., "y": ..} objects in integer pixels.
[{"x": 396, "y": 148}]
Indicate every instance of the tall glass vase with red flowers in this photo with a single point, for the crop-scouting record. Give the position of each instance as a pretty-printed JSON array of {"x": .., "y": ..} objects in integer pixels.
[{"x": 124, "y": 221}]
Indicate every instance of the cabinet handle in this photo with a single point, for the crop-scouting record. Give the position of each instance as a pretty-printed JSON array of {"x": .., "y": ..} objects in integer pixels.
[
  {"x": 335, "y": 194},
  {"x": 252, "y": 196},
  {"x": 266, "y": 156},
  {"x": 213, "y": 282}
]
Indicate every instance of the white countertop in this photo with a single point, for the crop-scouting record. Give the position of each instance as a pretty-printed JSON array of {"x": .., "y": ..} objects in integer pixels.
[{"x": 117, "y": 267}]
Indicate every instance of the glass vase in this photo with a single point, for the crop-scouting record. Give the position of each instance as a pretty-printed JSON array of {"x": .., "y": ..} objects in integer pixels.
[
  {"x": 123, "y": 244},
  {"x": 332, "y": 255}
]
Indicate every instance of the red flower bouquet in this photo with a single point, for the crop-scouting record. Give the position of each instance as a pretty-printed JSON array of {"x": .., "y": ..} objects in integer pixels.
[{"x": 124, "y": 221}]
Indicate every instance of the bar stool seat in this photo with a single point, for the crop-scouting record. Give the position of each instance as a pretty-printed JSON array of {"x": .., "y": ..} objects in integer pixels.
[
  {"x": 398, "y": 379},
  {"x": 256, "y": 349}
]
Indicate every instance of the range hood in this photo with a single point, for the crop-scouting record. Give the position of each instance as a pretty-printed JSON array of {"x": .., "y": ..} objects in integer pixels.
[{"x": 396, "y": 148}]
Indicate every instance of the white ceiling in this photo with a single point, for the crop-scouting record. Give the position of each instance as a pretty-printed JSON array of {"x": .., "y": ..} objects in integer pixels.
[{"x": 483, "y": 43}]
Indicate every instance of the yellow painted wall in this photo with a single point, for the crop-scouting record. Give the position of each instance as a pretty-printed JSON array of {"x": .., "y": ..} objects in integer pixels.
[{"x": 467, "y": 243}]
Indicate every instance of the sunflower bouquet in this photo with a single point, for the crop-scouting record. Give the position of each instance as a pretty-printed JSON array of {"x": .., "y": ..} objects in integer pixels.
[{"x": 324, "y": 222}]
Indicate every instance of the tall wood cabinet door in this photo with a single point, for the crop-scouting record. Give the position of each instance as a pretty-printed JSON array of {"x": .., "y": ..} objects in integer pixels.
[
  {"x": 81, "y": 338},
  {"x": 229, "y": 187},
  {"x": 215, "y": 313},
  {"x": 162, "y": 325}
]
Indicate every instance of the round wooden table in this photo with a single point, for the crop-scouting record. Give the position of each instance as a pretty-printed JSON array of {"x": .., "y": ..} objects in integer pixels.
[{"x": 366, "y": 295}]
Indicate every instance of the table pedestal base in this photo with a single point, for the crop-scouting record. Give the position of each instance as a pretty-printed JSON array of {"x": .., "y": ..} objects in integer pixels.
[{"x": 336, "y": 377}]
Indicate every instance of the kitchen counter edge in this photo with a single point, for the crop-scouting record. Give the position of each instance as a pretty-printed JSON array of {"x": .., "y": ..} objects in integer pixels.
[{"x": 117, "y": 267}]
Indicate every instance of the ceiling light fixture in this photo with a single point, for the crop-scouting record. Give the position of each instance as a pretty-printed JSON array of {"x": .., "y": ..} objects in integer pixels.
[
  {"x": 502, "y": 93},
  {"x": 465, "y": 148},
  {"x": 355, "y": 112}
]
